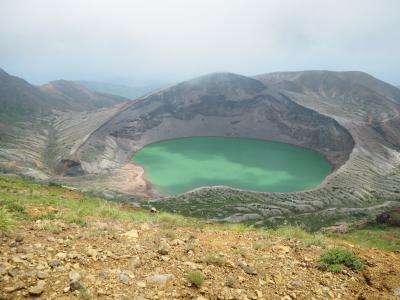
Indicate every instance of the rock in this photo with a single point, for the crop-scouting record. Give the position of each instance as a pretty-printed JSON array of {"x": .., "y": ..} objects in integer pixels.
[
  {"x": 192, "y": 265},
  {"x": 54, "y": 263},
  {"x": 281, "y": 249},
  {"x": 296, "y": 283},
  {"x": 91, "y": 252},
  {"x": 61, "y": 255},
  {"x": 341, "y": 228},
  {"x": 396, "y": 292},
  {"x": 75, "y": 284},
  {"x": 141, "y": 284},
  {"x": 145, "y": 227},
  {"x": 38, "y": 288},
  {"x": 160, "y": 278},
  {"x": 3, "y": 271},
  {"x": 13, "y": 272},
  {"x": 74, "y": 275},
  {"x": 177, "y": 242},
  {"x": 16, "y": 287},
  {"x": 123, "y": 278},
  {"x": 247, "y": 268},
  {"x": 42, "y": 275},
  {"x": 18, "y": 260},
  {"x": 164, "y": 249},
  {"x": 73, "y": 255},
  {"x": 19, "y": 238},
  {"x": 135, "y": 262},
  {"x": 131, "y": 234},
  {"x": 391, "y": 217}
]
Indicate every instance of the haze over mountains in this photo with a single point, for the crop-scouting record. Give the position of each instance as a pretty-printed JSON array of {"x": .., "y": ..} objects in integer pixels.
[
  {"x": 64, "y": 132},
  {"x": 124, "y": 90},
  {"x": 19, "y": 98}
]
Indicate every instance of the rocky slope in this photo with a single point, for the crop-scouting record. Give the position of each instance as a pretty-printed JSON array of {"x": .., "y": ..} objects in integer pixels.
[
  {"x": 67, "y": 245},
  {"x": 214, "y": 105},
  {"x": 41, "y": 126}
]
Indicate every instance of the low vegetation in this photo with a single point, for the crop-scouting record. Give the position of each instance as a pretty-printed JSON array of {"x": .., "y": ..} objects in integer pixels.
[
  {"x": 6, "y": 220},
  {"x": 374, "y": 236},
  {"x": 196, "y": 278},
  {"x": 23, "y": 200},
  {"x": 215, "y": 260},
  {"x": 336, "y": 258}
]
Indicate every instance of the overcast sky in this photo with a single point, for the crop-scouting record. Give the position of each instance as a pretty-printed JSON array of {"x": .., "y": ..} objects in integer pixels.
[{"x": 171, "y": 40}]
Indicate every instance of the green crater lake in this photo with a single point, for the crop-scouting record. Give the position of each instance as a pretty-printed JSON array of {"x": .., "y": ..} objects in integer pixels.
[{"x": 180, "y": 165}]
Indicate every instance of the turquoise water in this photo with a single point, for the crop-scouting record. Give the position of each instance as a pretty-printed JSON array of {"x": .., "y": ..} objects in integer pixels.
[{"x": 179, "y": 165}]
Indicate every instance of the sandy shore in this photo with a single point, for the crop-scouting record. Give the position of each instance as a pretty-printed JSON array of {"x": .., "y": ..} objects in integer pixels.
[{"x": 130, "y": 179}]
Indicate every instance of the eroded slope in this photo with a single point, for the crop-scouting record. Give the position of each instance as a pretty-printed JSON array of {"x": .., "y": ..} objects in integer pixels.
[{"x": 213, "y": 105}]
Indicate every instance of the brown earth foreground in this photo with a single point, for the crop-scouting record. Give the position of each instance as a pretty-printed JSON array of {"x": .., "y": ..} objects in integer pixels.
[{"x": 50, "y": 259}]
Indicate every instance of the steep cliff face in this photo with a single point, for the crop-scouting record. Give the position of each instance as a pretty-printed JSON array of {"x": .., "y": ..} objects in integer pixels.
[{"x": 219, "y": 104}]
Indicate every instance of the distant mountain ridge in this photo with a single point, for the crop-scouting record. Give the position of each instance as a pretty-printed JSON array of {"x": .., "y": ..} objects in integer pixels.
[
  {"x": 78, "y": 97},
  {"x": 127, "y": 91},
  {"x": 18, "y": 98},
  {"x": 351, "y": 93}
]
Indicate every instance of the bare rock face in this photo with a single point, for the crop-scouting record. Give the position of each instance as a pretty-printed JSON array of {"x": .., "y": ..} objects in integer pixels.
[{"x": 214, "y": 105}]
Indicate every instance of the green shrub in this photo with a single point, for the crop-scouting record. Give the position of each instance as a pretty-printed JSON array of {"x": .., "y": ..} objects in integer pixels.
[
  {"x": 196, "y": 278},
  {"x": 6, "y": 220},
  {"x": 333, "y": 260}
]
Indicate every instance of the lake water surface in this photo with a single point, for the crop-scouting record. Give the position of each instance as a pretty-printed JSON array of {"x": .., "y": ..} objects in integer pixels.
[{"x": 179, "y": 165}]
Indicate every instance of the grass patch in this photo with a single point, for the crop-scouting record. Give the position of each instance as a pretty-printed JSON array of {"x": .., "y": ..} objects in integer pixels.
[
  {"x": 7, "y": 221},
  {"x": 196, "y": 278},
  {"x": 315, "y": 240},
  {"x": 374, "y": 236},
  {"x": 18, "y": 197},
  {"x": 215, "y": 260},
  {"x": 53, "y": 228},
  {"x": 298, "y": 233},
  {"x": 291, "y": 232},
  {"x": 334, "y": 259}
]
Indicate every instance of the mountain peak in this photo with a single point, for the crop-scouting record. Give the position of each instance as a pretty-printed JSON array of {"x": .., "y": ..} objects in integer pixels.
[
  {"x": 222, "y": 81},
  {"x": 3, "y": 73}
]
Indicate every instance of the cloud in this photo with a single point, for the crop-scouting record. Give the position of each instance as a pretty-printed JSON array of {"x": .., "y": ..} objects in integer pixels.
[{"x": 171, "y": 40}]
